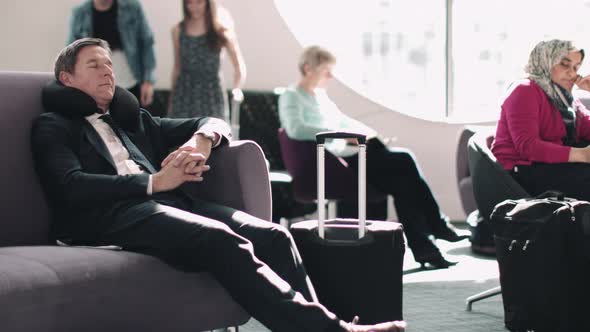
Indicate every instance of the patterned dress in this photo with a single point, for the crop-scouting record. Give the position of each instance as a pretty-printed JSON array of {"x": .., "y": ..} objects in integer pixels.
[{"x": 198, "y": 90}]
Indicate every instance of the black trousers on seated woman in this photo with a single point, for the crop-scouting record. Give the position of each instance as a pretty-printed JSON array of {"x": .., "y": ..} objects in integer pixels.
[
  {"x": 395, "y": 171},
  {"x": 572, "y": 179}
]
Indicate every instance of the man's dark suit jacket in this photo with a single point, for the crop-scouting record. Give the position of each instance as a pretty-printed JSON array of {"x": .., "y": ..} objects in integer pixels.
[{"x": 79, "y": 177}]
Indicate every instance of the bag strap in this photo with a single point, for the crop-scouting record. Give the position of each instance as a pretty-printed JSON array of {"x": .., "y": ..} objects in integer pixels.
[{"x": 558, "y": 195}]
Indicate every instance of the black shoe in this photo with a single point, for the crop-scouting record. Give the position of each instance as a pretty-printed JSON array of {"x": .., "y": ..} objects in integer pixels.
[
  {"x": 434, "y": 262},
  {"x": 449, "y": 233}
]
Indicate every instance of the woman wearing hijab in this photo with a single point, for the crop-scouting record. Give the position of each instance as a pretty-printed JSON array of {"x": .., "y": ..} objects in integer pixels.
[{"x": 543, "y": 132}]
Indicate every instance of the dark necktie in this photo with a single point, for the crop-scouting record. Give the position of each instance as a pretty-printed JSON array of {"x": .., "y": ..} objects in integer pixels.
[{"x": 134, "y": 152}]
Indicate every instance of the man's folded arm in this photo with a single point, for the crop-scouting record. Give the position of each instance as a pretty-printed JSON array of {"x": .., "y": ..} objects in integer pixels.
[
  {"x": 176, "y": 132},
  {"x": 62, "y": 174}
]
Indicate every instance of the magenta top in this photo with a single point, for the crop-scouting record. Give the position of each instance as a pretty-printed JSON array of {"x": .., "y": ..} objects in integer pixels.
[{"x": 531, "y": 129}]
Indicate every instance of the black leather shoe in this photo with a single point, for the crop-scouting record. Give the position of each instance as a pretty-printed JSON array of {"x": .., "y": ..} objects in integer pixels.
[
  {"x": 449, "y": 233},
  {"x": 434, "y": 262}
]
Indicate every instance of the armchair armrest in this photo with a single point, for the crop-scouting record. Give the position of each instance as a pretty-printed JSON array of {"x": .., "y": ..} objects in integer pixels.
[{"x": 238, "y": 178}]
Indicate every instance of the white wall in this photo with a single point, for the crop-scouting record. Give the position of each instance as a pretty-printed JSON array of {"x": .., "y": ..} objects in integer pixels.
[{"x": 32, "y": 32}]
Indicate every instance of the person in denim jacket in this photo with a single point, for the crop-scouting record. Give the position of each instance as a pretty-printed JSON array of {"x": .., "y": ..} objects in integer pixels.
[{"x": 122, "y": 23}]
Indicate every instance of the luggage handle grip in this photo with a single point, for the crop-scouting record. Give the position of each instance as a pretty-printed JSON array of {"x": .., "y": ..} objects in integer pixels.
[
  {"x": 362, "y": 173},
  {"x": 322, "y": 136}
]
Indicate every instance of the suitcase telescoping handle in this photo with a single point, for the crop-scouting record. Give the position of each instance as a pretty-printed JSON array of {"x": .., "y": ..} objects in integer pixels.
[{"x": 362, "y": 204}]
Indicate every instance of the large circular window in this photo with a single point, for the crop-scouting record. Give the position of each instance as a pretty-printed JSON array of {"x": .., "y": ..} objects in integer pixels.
[{"x": 430, "y": 59}]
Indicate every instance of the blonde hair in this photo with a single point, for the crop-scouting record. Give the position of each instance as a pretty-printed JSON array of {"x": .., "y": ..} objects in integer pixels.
[{"x": 315, "y": 56}]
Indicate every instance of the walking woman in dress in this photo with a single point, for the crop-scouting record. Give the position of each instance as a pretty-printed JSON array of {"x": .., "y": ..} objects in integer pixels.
[{"x": 199, "y": 39}]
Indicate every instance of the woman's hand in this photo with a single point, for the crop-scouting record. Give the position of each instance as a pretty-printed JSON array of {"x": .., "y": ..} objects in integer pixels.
[
  {"x": 579, "y": 155},
  {"x": 583, "y": 82}
]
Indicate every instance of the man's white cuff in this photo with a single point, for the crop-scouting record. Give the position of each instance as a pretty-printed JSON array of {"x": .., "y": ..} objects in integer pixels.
[{"x": 213, "y": 136}]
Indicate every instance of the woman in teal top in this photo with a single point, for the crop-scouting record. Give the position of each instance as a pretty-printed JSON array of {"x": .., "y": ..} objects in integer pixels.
[{"x": 305, "y": 110}]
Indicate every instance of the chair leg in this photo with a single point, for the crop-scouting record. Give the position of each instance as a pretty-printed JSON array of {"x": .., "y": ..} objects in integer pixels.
[
  {"x": 234, "y": 118},
  {"x": 285, "y": 222},
  {"x": 390, "y": 207},
  {"x": 483, "y": 295}
]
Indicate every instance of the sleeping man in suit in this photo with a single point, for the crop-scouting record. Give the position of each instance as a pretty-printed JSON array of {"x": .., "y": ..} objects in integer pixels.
[{"x": 112, "y": 173}]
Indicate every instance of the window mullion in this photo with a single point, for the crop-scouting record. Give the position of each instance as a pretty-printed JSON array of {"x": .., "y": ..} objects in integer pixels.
[{"x": 449, "y": 58}]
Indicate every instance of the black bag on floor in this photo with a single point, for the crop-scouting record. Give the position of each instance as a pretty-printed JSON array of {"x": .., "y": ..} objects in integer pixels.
[
  {"x": 354, "y": 265},
  {"x": 543, "y": 260}
]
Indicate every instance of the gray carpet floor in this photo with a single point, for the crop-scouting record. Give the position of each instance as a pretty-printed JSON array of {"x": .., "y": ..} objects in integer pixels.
[{"x": 434, "y": 300}]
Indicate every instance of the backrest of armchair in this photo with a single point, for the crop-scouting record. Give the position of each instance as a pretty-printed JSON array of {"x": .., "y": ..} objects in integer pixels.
[
  {"x": 24, "y": 215},
  {"x": 300, "y": 158},
  {"x": 491, "y": 183},
  {"x": 462, "y": 164},
  {"x": 464, "y": 179}
]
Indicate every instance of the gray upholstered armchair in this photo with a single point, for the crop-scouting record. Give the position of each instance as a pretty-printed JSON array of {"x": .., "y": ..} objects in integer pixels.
[
  {"x": 44, "y": 287},
  {"x": 464, "y": 179}
]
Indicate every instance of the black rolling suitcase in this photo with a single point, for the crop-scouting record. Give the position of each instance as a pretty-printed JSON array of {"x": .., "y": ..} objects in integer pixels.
[
  {"x": 543, "y": 259},
  {"x": 355, "y": 265}
]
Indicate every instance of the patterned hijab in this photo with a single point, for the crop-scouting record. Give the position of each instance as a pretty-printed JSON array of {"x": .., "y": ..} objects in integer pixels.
[{"x": 543, "y": 58}]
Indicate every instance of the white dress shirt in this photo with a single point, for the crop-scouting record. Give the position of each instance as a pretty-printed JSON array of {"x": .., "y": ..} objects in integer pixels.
[
  {"x": 119, "y": 153},
  {"x": 123, "y": 163}
]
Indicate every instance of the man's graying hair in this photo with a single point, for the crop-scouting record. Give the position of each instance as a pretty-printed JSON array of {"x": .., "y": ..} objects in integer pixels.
[{"x": 66, "y": 60}]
